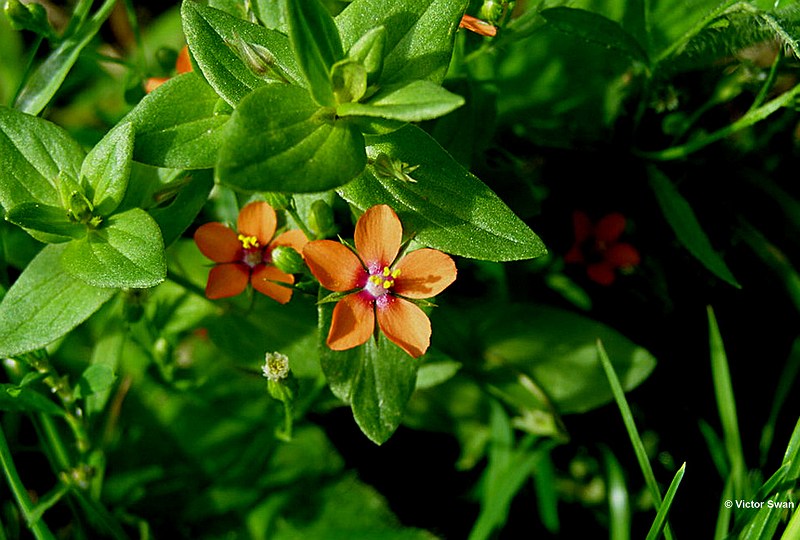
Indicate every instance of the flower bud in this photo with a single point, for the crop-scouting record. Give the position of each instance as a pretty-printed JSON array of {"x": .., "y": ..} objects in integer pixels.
[
  {"x": 31, "y": 17},
  {"x": 288, "y": 260}
]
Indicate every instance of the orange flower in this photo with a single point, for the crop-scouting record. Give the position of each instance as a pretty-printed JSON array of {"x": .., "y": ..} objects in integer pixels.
[
  {"x": 246, "y": 256},
  {"x": 182, "y": 65},
  {"x": 380, "y": 284},
  {"x": 598, "y": 247},
  {"x": 473, "y": 24}
]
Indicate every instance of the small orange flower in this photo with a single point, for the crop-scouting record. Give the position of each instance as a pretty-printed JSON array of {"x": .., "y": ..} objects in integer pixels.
[
  {"x": 598, "y": 247},
  {"x": 473, "y": 24},
  {"x": 246, "y": 256},
  {"x": 182, "y": 65},
  {"x": 380, "y": 284}
]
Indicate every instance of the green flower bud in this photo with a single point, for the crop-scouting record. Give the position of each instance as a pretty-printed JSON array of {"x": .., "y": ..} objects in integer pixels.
[
  {"x": 288, "y": 260},
  {"x": 31, "y": 17}
]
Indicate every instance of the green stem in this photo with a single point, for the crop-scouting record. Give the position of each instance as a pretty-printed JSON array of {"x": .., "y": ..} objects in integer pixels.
[
  {"x": 752, "y": 117},
  {"x": 26, "y": 506}
]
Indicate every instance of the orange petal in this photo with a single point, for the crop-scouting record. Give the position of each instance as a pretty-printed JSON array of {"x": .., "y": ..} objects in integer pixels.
[
  {"x": 378, "y": 237},
  {"x": 294, "y": 238},
  {"x": 610, "y": 227},
  {"x": 601, "y": 273},
  {"x": 405, "y": 324},
  {"x": 257, "y": 219},
  {"x": 352, "y": 323},
  {"x": 183, "y": 64},
  {"x": 623, "y": 255},
  {"x": 424, "y": 273},
  {"x": 227, "y": 280},
  {"x": 478, "y": 26},
  {"x": 152, "y": 83},
  {"x": 264, "y": 278},
  {"x": 334, "y": 265},
  {"x": 217, "y": 242}
]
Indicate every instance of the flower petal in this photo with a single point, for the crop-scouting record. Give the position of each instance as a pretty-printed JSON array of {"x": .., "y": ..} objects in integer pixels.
[
  {"x": 574, "y": 255},
  {"x": 352, "y": 323},
  {"x": 257, "y": 219},
  {"x": 610, "y": 227},
  {"x": 424, "y": 273},
  {"x": 378, "y": 236},
  {"x": 217, "y": 242},
  {"x": 601, "y": 273},
  {"x": 581, "y": 225},
  {"x": 183, "y": 64},
  {"x": 227, "y": 280},
  {"x": 334, "y": 265},
  {"x": 294, "y": 238},
  {"x": 623, "y": 255},
  {"x": 405, "y": 324},
  {"x": 264, "y": 278}
]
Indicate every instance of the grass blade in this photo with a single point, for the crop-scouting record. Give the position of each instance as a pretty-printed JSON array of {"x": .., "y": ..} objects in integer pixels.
[
  {"x": 633, "y": 434},
  {"x": 619, "y": 506},
  {"x": 661, "y": 516}
]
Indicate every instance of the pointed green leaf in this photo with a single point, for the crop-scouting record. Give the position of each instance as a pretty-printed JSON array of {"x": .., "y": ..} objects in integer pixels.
[
  {"x": 95, "y": 379},
  {"x": 683, "y": 221},
  {"x": 376, "y": 379},
  {"x": 107, "y": 167},
  {"x": 368, "y": 51},
  {"x": 126, "y": 251},
  {"x": 596, "y": 29},
  {"x": 179, "y": 125},
  {"x": 33, "y": 152},
  {"x": 15, "y": 398},
  {"x": 213, "y": 36},
  {"x": 52, "y": 221},
  {"x": 447, "y": 207},
  {"x": 413, "y": 102},
  {"x": 45, "y": 303},
  {"x": 279, "y": 139},
  {"x": 316, "y": 45},
  {"x": 419, "y": 34}
]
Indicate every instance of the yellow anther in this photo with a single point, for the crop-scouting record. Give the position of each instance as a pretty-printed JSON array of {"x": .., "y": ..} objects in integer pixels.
[
  {"x": 386, "y": 271},
  {"x": 249, "y": 242},
  {"x": 396, "y": 273},
  {"x": 388, "y": 283}
]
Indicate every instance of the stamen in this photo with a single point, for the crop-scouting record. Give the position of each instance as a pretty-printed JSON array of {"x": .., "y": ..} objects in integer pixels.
[{"x": 249, "y": 242}]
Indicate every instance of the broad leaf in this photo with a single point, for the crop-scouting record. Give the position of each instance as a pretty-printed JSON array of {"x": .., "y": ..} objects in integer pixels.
[
  {"x": 179, "y": 125},
  {"x": 596, "y": 29},
  {"x": 279, "y": 139},
  {"x": 175, "y": 216},
  {"x": 413, "y": 102},
  {"x": 420, "y": 34},
  {"x": 558, "y": 350},
  {"x": 683, "y": 221},
  {"x": 33, "y": 152},
  {"x": 376, "y": 379},
  {"x": 316, "y": 45},
  {"x": 126, "y": 251},
  {"x": 95, "y": 379},
  {"x": 213, "y": 38},
  {"x": 45, "y": 303},
  {"x": 447, "y": 207},
  {"x": 107, "y": 167}
]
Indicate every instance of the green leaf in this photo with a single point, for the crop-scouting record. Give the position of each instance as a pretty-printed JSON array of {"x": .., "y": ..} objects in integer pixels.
[
  {"x": 413, "y": 102},
  {"x": 660, "y": 520},
  {"x": 596, "y": 29},
  {"x": 95, "y": 379},
  {"x": 213, "y": 36},
  {"x": 558, "y": 349},
  {"x": 126, "y": 251},
  {"x": 447, "y": 207},
  {"x": 45, "y": 303},
  {"x": 368, "y": 51},
  {"x": 279, "y": 139},
  {"x": 316, "y": 45},
  {"x": 50, "y": 220},
  {"x": 33, "y": 152},
  {"x": 16, "y": 398},
  {"x": 45, "y": 81},
  {"x": 176, "y": 216},
  {"x": 376, "y": 379},
  {"x": 107, "y": 168},
  {"x": 179, "y": 125},
  {"x": 683, "y": 221},
  {"x": 419, "y": 35}
]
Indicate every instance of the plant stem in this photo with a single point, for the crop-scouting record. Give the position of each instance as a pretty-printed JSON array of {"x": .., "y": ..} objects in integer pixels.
[{"x": 26, "y": 506}]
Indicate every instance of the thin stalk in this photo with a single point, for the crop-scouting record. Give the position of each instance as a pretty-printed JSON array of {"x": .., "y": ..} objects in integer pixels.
[{"x": 26, "y": 506}]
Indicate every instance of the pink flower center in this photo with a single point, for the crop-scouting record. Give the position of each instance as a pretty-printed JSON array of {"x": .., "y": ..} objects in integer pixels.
[
  {"x": 380, "y": 283},
  {"x": 251, "y": 250}
]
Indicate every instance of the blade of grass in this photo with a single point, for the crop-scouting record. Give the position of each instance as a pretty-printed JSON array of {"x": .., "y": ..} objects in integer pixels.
[
  {"x": 619, "y": 507},
  {"x": 725, "y": 511},
  {"x": 792, "y": 531},
  {"x": 726, "y": 405},
  {"x": 633, "y": 433},
  {"x": 715, "y": 448},
  {"x": 661, "y": 516},
  {"x": 786, "y": 381}
]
